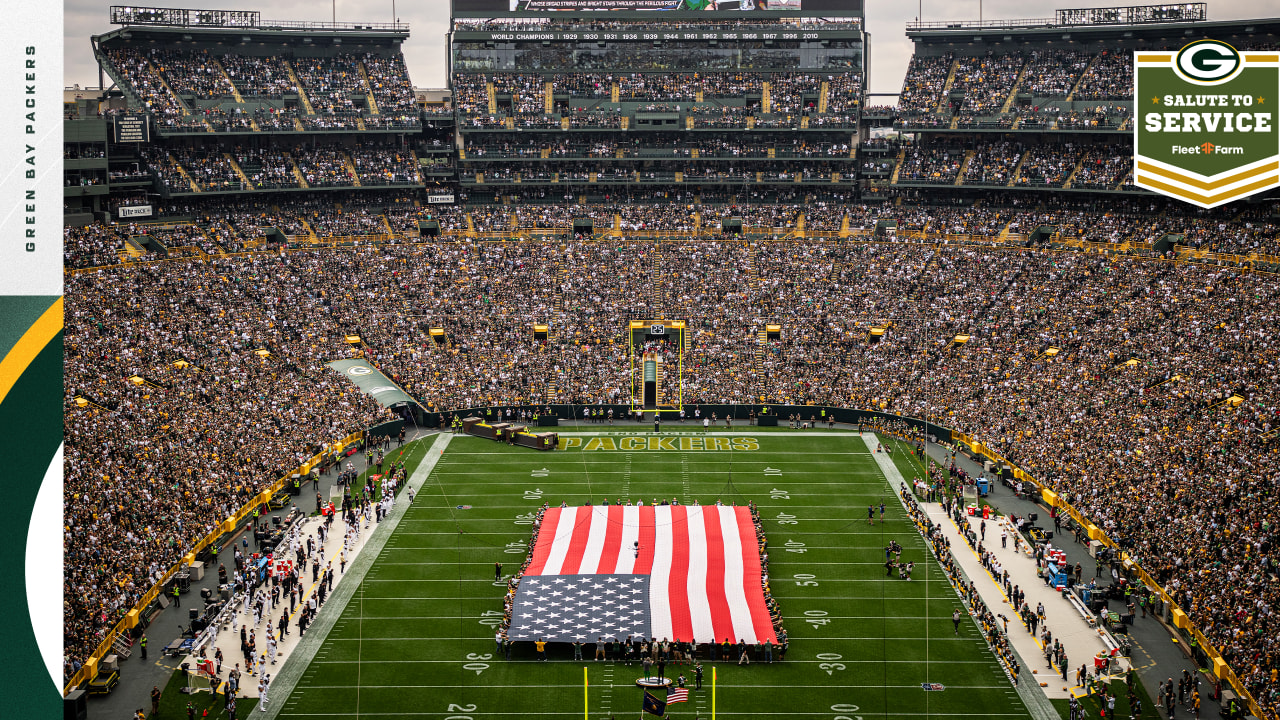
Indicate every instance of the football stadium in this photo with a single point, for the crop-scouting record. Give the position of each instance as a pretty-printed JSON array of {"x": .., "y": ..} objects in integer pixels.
[{"x": 656, "y": 367}]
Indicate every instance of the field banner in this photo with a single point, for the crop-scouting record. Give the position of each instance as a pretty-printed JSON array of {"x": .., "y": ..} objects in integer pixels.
[
  {"x": 372, "y": 382},
  {"x": 684, "y": 573},
  {"x": 1206, "y": 130}
]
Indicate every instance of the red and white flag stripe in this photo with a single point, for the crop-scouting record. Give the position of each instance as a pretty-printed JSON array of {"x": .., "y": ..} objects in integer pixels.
[{"x": 702, "y": 561}]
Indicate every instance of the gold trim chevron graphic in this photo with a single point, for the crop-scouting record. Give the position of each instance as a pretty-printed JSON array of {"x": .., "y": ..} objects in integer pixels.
[
  {"x": 1212, "y": 199},
  {"x": 1222, "y": 182},
  {"x": 32, "y": 342}
]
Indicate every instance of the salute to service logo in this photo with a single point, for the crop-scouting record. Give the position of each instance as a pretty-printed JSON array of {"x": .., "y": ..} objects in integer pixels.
[{"x": 1206, "y": 129}]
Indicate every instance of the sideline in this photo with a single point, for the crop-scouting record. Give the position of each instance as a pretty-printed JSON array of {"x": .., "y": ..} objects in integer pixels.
[
  {"x": 300, "y": 658},
  {"x": 1036, "y": 702}
]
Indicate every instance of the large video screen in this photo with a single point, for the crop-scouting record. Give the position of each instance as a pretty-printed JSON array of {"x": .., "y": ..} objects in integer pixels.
[
  {"x": 840, "y": 7},
  {"x": 609, "y": 5}
]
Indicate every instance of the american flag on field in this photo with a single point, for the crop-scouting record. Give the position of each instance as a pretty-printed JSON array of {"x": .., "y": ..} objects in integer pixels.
[
  {"x": 696, "y": 576},
  {"x": 678, "y": 695}
]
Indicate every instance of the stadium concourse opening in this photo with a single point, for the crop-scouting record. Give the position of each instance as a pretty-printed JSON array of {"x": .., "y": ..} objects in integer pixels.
[{"x": 699, "y": 213}]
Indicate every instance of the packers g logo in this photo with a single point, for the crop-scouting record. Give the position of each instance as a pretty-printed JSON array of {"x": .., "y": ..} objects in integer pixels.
[
  {"x": 1207, "y": 62},
  {"x": 358, "y": 370}
]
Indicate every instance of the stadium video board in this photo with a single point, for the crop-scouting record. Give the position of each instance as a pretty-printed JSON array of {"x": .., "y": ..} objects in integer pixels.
[
  {"x": 837, "y": 7},
  {"x": 607, "y": 5}
]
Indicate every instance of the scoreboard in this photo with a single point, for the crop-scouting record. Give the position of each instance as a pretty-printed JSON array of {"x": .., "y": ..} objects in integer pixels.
[{"x": 132, "y": 129}]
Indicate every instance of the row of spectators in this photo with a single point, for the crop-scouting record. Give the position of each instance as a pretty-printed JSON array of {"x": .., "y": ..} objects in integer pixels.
[
  {"x": 744, "y": 55},
  {"x": 777, "y": 171},
  {"x": 320, "y": 164},
  {"x": 1138, "y": 220},
  {"x": 789, "y": 92},
  {"x": 1101, "y": 167},
  {"x": 706, "y": 145}
]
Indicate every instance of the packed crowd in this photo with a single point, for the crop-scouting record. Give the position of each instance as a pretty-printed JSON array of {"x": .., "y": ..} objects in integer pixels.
[
  {"x": 985, "y": 84},
  {"x": 791, "y": 93},
  {"x": 1088, "y": 423},
  {"x": 1101, "y": 166},
  {"x": 188, "y": 89},
  {"x": 152, "y": 468},
  {"x": 319, "y": 164}
]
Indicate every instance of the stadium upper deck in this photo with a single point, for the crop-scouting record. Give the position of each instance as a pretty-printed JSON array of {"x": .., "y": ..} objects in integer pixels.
[
  {"x": 199, "y": 75},
  {"x": 221, "y": 102},
  {"x": 1040, "y": 104},
  {"x": 704, "y": 102},
  {"x": 1045, "y": 74}
]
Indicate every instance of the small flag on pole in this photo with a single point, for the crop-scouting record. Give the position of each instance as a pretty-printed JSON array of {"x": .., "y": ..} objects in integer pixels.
[
  {"x": 653, "y": 705},
  {"x": 678, "y": 695}
]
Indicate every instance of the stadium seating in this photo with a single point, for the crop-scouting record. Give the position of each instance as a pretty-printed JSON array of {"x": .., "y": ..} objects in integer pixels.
[{"x": 1010, "y": 218}]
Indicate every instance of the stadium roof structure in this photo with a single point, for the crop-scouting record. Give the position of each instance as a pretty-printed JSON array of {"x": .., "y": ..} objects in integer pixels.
[
  {"x": 1139, "y": 23},
  {"x": 241, "y": 26}
]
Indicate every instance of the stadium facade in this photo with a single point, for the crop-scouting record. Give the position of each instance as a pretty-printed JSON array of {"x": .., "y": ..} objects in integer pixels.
[{"x": 705, "y": 107}]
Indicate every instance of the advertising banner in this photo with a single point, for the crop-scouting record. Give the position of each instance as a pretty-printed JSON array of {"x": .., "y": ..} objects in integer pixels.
[
  {"x": 133, "y": 211},
  {"x": 1206, "y": 130}
]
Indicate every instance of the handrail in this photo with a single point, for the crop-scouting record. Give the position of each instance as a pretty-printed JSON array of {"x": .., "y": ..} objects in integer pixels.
[
  {"x": 130, "y": 619},
  {"x": 1179, "y": 617}
]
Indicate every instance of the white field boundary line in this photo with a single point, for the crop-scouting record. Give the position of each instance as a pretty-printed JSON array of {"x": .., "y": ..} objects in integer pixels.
[
  {"x": 750, "y": 714},
  {"x": 1036, "y": 702},
  {"x": 291, "y": 673}
]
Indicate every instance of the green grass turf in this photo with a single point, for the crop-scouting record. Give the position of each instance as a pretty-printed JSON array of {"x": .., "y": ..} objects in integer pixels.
[
  {"x": 417, "y": 638},
  {"x": 173, "y": 703},
  {"x": 1093, "y": 703}
]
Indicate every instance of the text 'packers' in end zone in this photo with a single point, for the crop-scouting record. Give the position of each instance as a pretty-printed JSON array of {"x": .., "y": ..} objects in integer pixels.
[
  {"x": 1205, "y": 127},
  {"x": 648, "y": 442}
]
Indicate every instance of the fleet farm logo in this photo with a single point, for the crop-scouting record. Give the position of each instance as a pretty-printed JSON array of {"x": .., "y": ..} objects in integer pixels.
[{"x": 1206, "y": 130}]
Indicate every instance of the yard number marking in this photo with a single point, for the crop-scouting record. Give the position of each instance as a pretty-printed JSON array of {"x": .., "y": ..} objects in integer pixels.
[
  {"x": 830, "y": 667},
  {"x": 479, "y": 667},
  {"x": 460, "y": 708},
  {"x": 816, "y": 618},
  {"x": 840, "y": 708}
]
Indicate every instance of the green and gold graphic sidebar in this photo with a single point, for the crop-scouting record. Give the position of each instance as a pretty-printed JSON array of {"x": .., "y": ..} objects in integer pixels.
[{"x": 31, "y": 344}]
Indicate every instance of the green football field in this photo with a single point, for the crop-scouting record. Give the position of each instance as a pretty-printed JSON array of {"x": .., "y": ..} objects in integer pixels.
[{"x": 416, "y": 638}]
